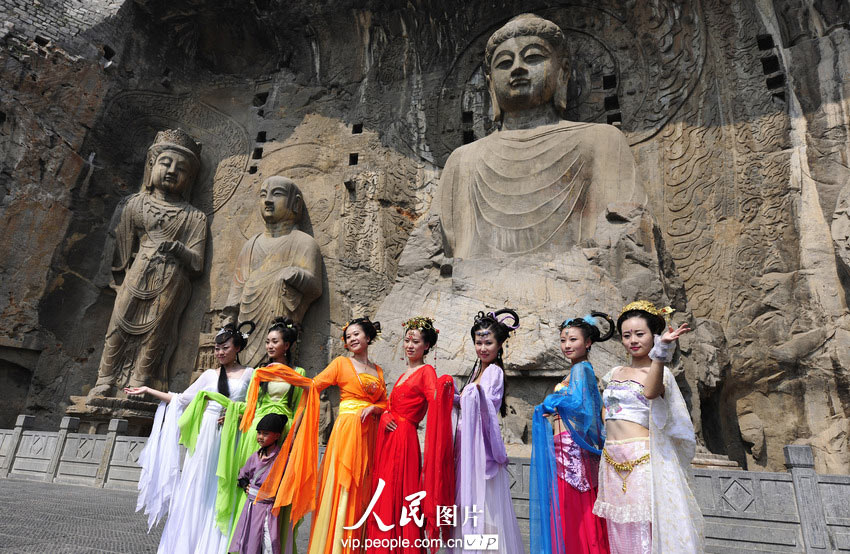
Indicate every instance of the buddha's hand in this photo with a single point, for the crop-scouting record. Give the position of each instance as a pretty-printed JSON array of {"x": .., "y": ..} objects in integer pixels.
[
  {"x": 288, "y": 274},
  {"x": 173, "y": 247}
]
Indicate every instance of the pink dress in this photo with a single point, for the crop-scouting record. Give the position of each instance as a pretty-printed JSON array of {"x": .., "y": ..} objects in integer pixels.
[{"x": 577, "y": 472}]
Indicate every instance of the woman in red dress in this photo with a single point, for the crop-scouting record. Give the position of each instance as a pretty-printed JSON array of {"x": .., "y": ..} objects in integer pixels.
[{"x": 403, "y": 511}]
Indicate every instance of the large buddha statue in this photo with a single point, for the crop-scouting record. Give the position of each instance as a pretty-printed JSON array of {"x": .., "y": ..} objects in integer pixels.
[
  {"x": 156, "y": 241},
  {"x": 539, "y": 183},
  {"x": 543, "y": 215},
  {"x": 279, "y": 271}
]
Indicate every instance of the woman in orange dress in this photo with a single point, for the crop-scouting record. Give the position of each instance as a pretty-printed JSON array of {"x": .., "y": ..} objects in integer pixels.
[
  {"x": 345, "y": 487},
  {"x": 397, "y": 455}
]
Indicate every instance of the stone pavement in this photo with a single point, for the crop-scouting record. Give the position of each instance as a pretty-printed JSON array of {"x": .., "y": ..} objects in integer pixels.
[
  {"x": 47, "y": 518},
  {"x": 65, "y": 519}
]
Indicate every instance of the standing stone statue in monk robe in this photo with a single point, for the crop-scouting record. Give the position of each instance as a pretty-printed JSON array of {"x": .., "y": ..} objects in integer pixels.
[
  {"x": 279, "y": 272},
  {"x": 539, "y": 183},
  {"x": 157, "y": 240}
]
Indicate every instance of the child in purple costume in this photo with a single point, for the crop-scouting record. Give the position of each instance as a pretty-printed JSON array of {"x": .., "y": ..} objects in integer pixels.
[{"x": 257, "y": 531}]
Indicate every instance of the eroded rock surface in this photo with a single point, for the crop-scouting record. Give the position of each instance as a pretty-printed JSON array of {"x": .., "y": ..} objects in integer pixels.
[{"x": 734, "y": 111}]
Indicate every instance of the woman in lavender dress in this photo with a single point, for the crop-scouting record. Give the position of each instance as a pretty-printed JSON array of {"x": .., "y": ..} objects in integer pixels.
[{"x": 483, "y": 497}]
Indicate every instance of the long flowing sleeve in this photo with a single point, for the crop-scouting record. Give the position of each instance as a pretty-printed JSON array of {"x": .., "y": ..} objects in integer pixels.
[
  {"x": 677, "y": 522},
  {"x": 190, "y": 421},
  {"x": 292, "y": 484},
  {"x": 438, "y": 473},
  {"x": 579, "y": 407},
  {"x": 481, "y": 446},
  {"x": 160, "y": 459},
  {"x": 543, "y": 489},
  {"x": 492, "y": 387},
  {"x": 160, "y": 463},
  {"x": 228, "y": 465},
  {"x": 207, "y": 381}
]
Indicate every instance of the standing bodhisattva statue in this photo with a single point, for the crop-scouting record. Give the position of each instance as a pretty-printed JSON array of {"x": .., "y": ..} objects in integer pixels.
[
  {"x": 278, "y": 272},
  {"x": 157, "y": 240},
  {"x": 539, "y": 183}
]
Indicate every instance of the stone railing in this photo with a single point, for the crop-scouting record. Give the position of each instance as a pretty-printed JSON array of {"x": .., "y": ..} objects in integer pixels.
[
  {"x": 796, "y": 511},
  {"x": 70, "y": 457}
]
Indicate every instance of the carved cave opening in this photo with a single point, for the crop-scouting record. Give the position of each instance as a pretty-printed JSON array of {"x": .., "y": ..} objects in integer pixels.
[
  {"x": 15, "y": 384},
  {"x": 764, "y": 42},
  {"x": 260, "y": 99},
  {"x": 719, "y": 424}
]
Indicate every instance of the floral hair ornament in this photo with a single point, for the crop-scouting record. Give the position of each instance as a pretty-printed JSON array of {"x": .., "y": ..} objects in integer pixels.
[
  {"x": 344, "y": 329},
  {"x": 589, "y": 319},
  {"x": 420, "y": 322},
  {"x": 280, "y": 324},
  {"x": 243, "y": 334},
  {"x": 648, "y": 307}
]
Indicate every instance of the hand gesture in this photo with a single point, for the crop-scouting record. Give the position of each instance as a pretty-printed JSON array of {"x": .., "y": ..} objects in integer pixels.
[
  {"x": 288, "y": 273},
  {"x": 367, "y": 411},
  {"x": 135, "y": 391},
  {"x": 391, "y": 424},
  {"x": 221, "y": 417},
  {"x": 671, "y": 335},
  {"x": 167, "y": 246}
]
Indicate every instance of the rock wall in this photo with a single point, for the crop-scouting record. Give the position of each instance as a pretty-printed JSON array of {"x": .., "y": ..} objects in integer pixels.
[{"x": 736, "y": 113}]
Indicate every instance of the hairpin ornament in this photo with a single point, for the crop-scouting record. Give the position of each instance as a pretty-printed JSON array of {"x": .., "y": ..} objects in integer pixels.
[{"x": 501, "y": 319}]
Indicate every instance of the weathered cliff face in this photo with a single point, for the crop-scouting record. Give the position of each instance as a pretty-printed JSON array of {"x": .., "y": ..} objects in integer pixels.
[{"x": 736, "y": 113}]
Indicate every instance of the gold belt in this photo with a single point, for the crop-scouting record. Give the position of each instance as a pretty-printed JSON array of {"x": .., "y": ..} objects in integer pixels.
[
  {"x": 624, "y": 469},
  {"x": 352, "y": 406}
]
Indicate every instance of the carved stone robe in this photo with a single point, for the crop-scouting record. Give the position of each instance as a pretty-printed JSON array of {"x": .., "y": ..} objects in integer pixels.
[
  {"x": 155, "y": 289},
  {"x": 542, "y": 189},
  {"x": 261, "y": 289}
]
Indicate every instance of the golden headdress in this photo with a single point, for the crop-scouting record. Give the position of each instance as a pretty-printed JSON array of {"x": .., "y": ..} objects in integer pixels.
[{"x": 648, "y": 307}]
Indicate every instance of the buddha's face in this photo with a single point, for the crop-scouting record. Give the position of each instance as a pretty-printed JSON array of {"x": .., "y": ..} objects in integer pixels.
[
  {"x": 275, "y": 201},
  {"x": 524, "y": 73},
  {"x": 172, "y": 172}
]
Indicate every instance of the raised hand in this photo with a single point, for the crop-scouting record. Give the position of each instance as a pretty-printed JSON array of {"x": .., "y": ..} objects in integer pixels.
[
  {"x": 672, "y": 335},
  {"x": 135, "y": 391}
]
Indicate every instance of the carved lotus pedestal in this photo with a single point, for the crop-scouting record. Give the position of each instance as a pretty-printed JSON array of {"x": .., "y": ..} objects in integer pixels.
[{"x": 95, "y": 413}]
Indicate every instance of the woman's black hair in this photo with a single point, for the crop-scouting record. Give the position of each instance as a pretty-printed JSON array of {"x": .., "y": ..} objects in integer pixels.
[
  {"x": 289, "y": 331},
  {"x": 370, "y": 328},
  {"x": 425, "y": 326},
  {"x": 590, "y": 330},
  {"x": 235, "y": 332},
  {"x": 495, "y": 323},
  {"x": 655, "y": 323}
]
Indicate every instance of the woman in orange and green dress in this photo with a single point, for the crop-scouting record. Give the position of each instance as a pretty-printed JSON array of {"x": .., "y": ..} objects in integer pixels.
[{"x": 341, "y": 496}]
